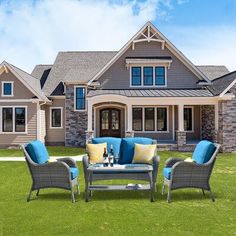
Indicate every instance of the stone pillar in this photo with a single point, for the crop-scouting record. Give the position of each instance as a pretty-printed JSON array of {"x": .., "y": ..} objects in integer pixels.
[
  {"x": 181, "y": 139},
  {"x": 89, "y": 136},
  {"x": 208, "y": 122},
  {"x": 129, "y": 134}
]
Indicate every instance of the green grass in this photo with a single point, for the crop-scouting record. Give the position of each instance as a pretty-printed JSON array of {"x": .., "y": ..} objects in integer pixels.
[
  {"x": 118, "y": 213},
  {"x": 53, "y": 151}
]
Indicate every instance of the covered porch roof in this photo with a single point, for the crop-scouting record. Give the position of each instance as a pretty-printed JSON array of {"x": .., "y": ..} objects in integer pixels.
[{"x": 153, "y": 92}]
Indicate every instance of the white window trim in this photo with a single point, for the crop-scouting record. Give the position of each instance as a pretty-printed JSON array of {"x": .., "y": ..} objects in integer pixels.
[
  {"x": 12, "y": 88},
  {"x": 192, "y": 130},
  {"x": 153, "y": 79},
  {"x": 155, "y": 119},
  {"x": 13, "y": 120},
  {"x": 80, "y": 110},
  {"x": 58, "y": 108}
]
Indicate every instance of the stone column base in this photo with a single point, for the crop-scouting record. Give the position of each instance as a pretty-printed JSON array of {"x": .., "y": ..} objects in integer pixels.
[
  {"x": 129, "y": 134},
  {"x": 181, "y": 139},
  {"x": 89, "y": 136}
]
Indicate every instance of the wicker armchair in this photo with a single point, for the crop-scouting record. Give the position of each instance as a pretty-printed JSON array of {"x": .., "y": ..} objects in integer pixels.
[
  {"x": 189, "y": 174},
  {"x": 52, "y": 175}
]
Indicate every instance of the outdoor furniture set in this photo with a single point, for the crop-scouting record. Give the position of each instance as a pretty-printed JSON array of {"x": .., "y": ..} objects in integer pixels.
[{"x": 137, "y": 161}]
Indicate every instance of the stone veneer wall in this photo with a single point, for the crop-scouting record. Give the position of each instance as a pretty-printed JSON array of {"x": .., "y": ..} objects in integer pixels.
[
  {"x": 207, "y": 122},
  {"x": 227, "y": 124},
  {"x": 75, "y": 121}
]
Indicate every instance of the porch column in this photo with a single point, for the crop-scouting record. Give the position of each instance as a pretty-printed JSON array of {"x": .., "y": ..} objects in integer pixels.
[
  {"x": 89, "y": 132},
  {"x": 181, "y": 134},
  {"x": 129, "y": 132},
  {"x": 216, "y": 133}
]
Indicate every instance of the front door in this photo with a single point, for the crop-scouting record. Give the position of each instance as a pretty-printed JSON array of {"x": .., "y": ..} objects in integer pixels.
[{"x": 110, "y": 122}]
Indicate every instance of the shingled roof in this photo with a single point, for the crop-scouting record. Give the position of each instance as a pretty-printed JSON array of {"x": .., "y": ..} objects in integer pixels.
[
  {"x": 77, "y": 67},
  {"x": 212, "y": 71},
  {"x": 80, "y": 67},
  {"x": 220, "y": 84}
]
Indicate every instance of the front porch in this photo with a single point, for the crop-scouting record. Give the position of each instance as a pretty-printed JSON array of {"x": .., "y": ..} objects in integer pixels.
[{"x": 177, "y": 123}]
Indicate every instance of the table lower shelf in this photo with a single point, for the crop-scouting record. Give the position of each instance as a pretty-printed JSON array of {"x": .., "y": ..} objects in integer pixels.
[{"x": 118, "y": 187}]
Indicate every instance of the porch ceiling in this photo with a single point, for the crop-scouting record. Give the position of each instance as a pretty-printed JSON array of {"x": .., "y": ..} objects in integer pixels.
[{"x": 153, "y": 92}]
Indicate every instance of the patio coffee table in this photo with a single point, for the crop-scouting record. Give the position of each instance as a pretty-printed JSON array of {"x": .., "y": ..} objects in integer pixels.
[{"x": 131, "y": 171}]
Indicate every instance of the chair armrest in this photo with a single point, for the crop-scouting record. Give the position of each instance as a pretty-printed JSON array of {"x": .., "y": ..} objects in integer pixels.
[
  {"x": 172, "y": 161},
  {"x": 69, "y": 161},
  {"x": 155, "y": 165},
  {"x": 85, "y": 166}
]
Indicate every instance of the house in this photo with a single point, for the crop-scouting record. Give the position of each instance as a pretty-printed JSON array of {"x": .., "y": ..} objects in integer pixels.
[{"x": 147, "y": 88}]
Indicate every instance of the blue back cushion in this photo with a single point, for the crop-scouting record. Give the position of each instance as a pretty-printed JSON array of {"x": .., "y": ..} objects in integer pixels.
[
  {"x": 37, "y": 151},
  {"x": 127, "y": 148},
  {"x": 203, "y": 152},
  {"x": 109, "y": 140}
]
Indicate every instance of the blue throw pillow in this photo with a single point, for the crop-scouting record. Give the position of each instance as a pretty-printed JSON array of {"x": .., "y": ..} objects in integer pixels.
[
  {"x": 127, "y": 148},
  {"x": 109, "y": 140},
  {"x": 203, "y": 152},
  {"x": 37, "y": 151}
]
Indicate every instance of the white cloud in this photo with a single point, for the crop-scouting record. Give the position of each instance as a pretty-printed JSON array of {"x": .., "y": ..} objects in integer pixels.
[{"x": 34, "y": 33}]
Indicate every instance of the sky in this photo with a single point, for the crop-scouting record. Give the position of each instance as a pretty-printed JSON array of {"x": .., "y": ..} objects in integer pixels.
[{"x": 33, "y": 31}]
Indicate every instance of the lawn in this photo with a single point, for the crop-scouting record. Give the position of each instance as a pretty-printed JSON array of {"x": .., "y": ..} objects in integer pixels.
[
  {"x": 118, "y": 213},
  {"x": 53, "y": 151}
]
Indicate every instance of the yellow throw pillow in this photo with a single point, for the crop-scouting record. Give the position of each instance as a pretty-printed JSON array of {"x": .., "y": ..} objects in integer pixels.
[
  {"x": 144, "y": 153},
  {"x": 189, "y": 159},
  {"x": 95, "y": 152}
]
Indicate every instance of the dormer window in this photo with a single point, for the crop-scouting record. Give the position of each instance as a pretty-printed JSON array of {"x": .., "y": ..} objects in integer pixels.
[
  {"x": 7, "y": 89},
  {"x": 148, "y": 72}
]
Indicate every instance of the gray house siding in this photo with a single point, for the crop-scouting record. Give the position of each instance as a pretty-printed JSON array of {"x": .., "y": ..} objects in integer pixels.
[
  {"x": 20, "y": 91},
  {"x": 118, "y": 76},
  {"x": 15, "y": 139},
  {"x": 55, "y": 136}
]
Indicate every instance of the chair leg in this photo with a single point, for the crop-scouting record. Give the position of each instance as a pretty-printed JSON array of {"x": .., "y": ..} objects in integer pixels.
[
  {"x": 37, "y": 192},
  {"x": 203, "y": 192},
  {"x": 169, "y": 195},
  {"x": 29, "y": 196},
  {"x": 72, "y": 195},
  {"x": 212, "y": 195},
  {"x": 163, "y": 189}
]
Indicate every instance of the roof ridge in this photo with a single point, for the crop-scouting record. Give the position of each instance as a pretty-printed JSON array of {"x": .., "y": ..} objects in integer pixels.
[
  {"x": 23, "y": 71},
  {"x": 232, "y": 72}
]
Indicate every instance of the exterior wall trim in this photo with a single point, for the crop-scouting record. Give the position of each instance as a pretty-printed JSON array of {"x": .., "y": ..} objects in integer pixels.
[
  {"x": 50, "y": 118},
  {"x": 228, "y": 88},
  {"x": 12, "y": 86},
  {"x": 13, "y": 119}
]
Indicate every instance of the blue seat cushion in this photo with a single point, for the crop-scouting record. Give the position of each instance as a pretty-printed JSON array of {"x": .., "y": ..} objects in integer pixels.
[
  {"x": 127, "y": 148},
  {"x": 74, "y": 172},
  {"x": 167, "y": 172},
  {"x": 37, "y": 151},
  {"x": 203, "y": 152},
  {"x": 109, "y": 140}
]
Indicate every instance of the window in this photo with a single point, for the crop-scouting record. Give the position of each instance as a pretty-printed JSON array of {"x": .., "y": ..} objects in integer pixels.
[
  {"x": 188, "y": 119},
  {"x": 136, "y": 76},
  {"x": 80, "y": 93},
  {"x": 19, "y": 119},
  {"x": 137, "y": 119},
  {"x": 14, "y": 119},
  {"x": 149, "y": 119},
  {"x": 160, "y": 76},
  {"x": 161, "y": 119},
  {"x": 56, "y": 117},
  {"x": 148, "y": 75},
  {"x": 7, "y": 89}
]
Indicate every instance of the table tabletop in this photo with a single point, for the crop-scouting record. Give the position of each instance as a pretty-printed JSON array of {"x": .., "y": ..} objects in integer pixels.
[{"x": 120, "y": 168}]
